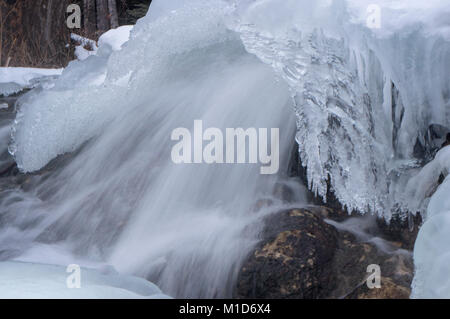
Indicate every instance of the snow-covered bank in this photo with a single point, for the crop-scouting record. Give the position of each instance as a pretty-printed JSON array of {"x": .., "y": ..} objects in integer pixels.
[
  {"x": 113, "y": 38},
  {"x": 431, "y": 251},
  {"x": 39, "y": 281},
  {"x": 15, "y": 79}
]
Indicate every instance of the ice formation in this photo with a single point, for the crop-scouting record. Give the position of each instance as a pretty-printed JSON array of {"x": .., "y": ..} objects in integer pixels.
[
  {"x": 114, "y": 38},
  {"x": 85, "y": 47},
  {"x": 431, "y": 251},
  {"x": 363, "y": 96},
  {"x": 15, "y": 79}
]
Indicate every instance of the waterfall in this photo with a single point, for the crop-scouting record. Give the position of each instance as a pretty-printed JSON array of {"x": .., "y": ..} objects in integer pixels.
[
  {"x": 357, "y": 96},
  {"x": 121, "y": 200}
]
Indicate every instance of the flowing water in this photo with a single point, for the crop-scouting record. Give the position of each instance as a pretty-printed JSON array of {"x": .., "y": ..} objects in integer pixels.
[{"x": 122, "y": 201}]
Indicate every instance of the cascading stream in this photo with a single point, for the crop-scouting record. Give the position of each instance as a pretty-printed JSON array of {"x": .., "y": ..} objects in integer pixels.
[
  {"x": 121, "y": 200},
  {"x": 359, "y": 101}
]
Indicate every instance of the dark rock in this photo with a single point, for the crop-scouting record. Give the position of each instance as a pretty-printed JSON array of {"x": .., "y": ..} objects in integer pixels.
[
  {"x": 446, "y": 142},
  {"x": 132, "y": 10},
  {"x": 350, "y": 263},
  {"x": 403, "y": 230},
  {"x": 388, "y": 290},
  {"x": 283, "y": 192},
  {"x": 8, "y": 169},
  {"x": 9, "y": 101},
  {"x": 302, "y": 256},
  {"x": 8, "y": 254},
  {"x": 428, "y": 144},
  {"x": 293, "y": 259}
]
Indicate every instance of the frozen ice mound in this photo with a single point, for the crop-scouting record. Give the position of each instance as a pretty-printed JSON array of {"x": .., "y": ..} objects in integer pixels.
[
  {"x": 92, "y": 92},
  {"x": 15, "y": 79},
  {"x": 19, "y": 280},
  {"x": 114, "y": 39},
  {"x": 431, "y": 251}
]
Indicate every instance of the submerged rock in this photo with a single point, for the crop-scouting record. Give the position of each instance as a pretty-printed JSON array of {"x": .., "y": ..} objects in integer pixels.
[
  {"x": 350, "y": 264},
  {"x": 293, "y": 260},
  {"x": 403, "y": 231},
  {"x": 302, "y": 255}
]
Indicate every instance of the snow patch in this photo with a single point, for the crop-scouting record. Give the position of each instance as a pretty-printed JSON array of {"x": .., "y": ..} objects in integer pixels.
[
  {"x": 112, "y": 39},
  {"x": 32, "y": 281},
  {"x": 116, "y": 37},
  {"x": 431, "y": 251},
  {"x": 15, "y": 79}
]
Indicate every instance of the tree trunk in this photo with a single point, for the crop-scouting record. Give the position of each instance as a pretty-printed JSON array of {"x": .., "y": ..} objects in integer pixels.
[
  {"x": 89, "y": 19},
  {"x": 102, "y": 15},
  {"x": 35, "y": 32},
  {"x": 114, "y": 18},
  {"x": 48, "y": 24}
]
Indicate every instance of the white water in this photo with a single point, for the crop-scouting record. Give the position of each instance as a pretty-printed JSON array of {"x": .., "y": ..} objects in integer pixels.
[
  {"x": 121, "y": 200},
  {"x": 187, "y": 228}
]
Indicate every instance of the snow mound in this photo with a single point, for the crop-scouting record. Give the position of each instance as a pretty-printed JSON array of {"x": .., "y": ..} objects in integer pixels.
[
  {"x": 20, "y": 280},
  {"x": 116, "y": 37},
  {"x": 431, "y": 251},
  {"x": 14, "y": 79},
  {"x": 113, "y": 39}
]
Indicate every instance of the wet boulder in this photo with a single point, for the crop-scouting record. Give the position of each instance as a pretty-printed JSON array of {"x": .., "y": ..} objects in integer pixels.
[
  {"x": 302, "y": 254},
  {"x": 350, "y": 264},
  {"x": 293, "y": 259}
]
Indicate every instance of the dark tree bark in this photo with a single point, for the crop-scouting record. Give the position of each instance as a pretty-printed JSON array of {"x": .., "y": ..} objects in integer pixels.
[
  {"x": 34, "y": 32},
  {"x": 99, "y": 16},
  {"x": 89, "y": 17},
  {"x": 114, "y": 18},
  {"x": 102, "y": 15},
  {"x": 129, "y": 11}
]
